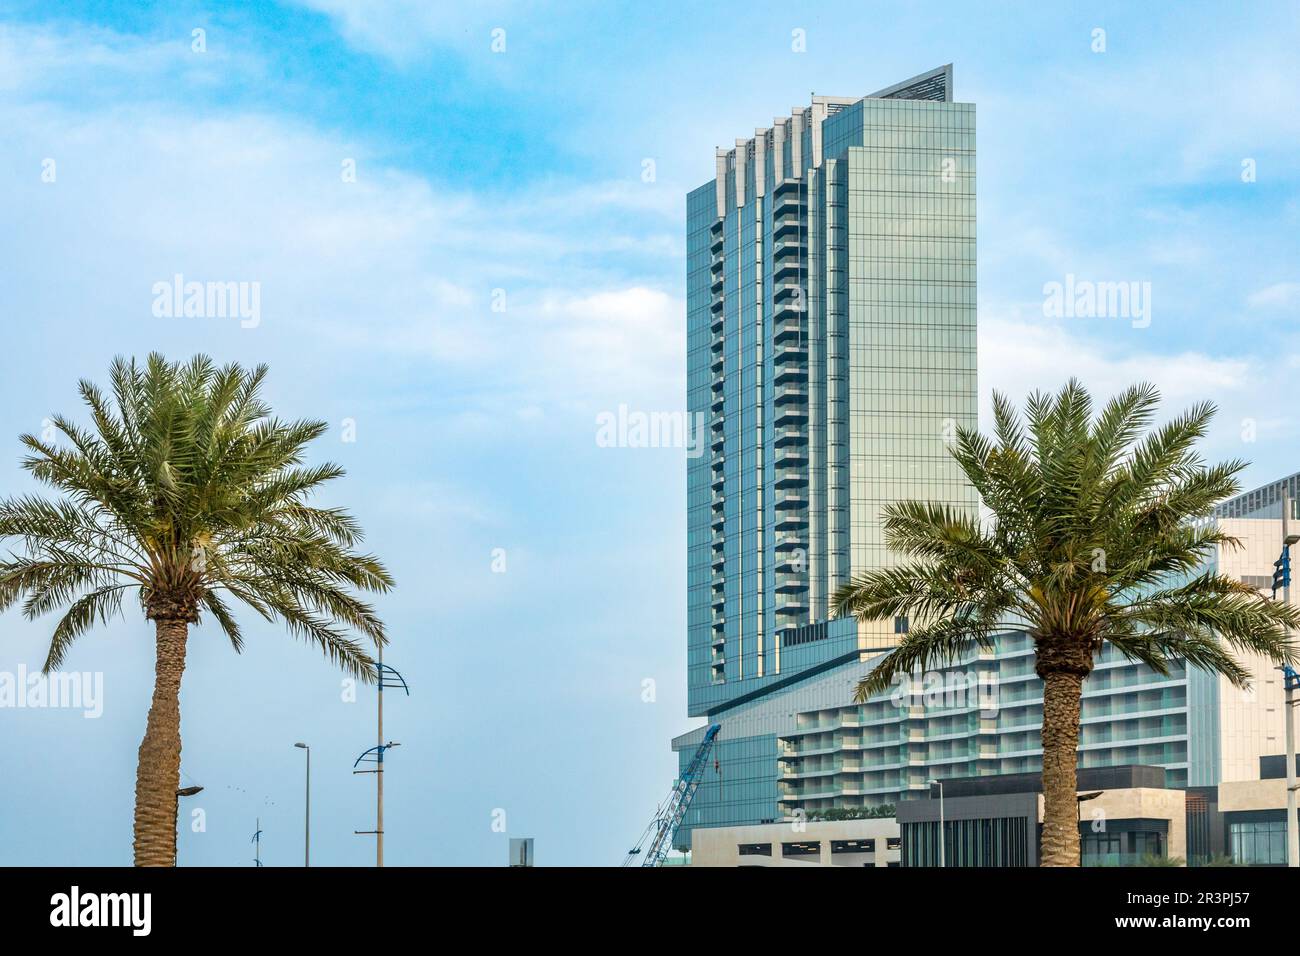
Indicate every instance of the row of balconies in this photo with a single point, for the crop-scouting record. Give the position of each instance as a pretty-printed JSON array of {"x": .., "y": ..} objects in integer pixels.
[{"x": 717, "y": 671}]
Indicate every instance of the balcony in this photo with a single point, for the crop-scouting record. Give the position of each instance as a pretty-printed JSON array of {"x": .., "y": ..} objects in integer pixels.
[
  {"x": 791, "y": 393},
  {"x": 789, "y": 436},
  {"x": 790, "y": 415},
  {"x": 788, "y": 195},
  {"x": 789, "y": 564},
  {"x": 791, "y": 478},
  {"x": 791, "y": 456},
  {"x": 789, "y": 267},
  {"x": 787, "y": 291},
  {"x": 789, "y": 329},
  {"x": 790, "y": 373},
  {"x": 788, "y": 583},
  {"x": 791, "y": 520},
  {"x": 790, "y": 224},
  {"x": 799, "y": 773},
  {"x": 790, "y": 499}
]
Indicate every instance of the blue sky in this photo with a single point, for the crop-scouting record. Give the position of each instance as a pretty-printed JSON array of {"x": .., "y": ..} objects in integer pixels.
[{"x": 522, "y": 171}]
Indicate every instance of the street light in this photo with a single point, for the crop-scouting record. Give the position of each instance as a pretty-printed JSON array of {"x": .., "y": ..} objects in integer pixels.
[
  {"x": 1291, "y": 683},
  {"x": 306, "y": 851},
  {"x": 942, "y": 838},
  {"x": 182, "y": 792},
  {"x": 1079, "y": 799}
]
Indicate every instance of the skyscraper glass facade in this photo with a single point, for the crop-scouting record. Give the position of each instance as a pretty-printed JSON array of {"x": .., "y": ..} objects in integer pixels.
[{"x": 831, "y": 347}]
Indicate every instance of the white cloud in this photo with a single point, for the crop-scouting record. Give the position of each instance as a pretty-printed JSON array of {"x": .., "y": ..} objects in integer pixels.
[
  {"x": 402, "y": 29},
  {"x": 96, "y": 62},
  {"x": 1017, "y": 357},
  {"x": 1280, "y": 295},
  {"x": 391, "y": 268}
]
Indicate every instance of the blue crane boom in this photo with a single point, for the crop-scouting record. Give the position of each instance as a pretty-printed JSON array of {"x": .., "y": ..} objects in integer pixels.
[{"x": 669, "y": 816}]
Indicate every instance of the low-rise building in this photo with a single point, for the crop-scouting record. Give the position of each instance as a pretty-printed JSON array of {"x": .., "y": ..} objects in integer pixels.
[
  {"x": 1254, "y": 815},
  {"x": 1127, "y": 816},
  {"x": 863, "y": 842}
]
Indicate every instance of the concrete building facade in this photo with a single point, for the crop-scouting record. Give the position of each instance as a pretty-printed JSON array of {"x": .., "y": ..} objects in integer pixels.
[{"x": 873, "y": 842}]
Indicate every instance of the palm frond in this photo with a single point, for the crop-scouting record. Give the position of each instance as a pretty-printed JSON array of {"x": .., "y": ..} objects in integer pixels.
[
  {"x": 185, "y": 486},
  {"x": 925, "y": 646}
]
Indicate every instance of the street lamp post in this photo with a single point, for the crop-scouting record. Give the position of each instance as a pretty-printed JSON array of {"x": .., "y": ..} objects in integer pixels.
[
  {"x": 182, "y": 792},
  {"x": 1290, "y": 681},
  {"x": 257, "y": 843},
  {"x": 386, "y": 677},
  {"x": 942, "y": 836},
  {"x": 1078, "y": 815},
  {"x": 306, "y": 852}
]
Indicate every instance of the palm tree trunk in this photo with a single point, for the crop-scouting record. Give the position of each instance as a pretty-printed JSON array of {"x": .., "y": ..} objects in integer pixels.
[
  {"x": 1062, "y": 693},
  {"x": 158, "y": 772}
]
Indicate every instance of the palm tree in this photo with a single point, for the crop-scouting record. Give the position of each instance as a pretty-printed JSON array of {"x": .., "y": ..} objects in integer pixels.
[
  {"x": 186, "y": 492},
  {"x": 1096, "y": 535}
]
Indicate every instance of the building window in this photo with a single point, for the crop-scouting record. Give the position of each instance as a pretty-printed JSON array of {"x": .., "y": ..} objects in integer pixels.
[
  {"x": 893, "y": 843},
  {"x": 755, "y": 849},
  {"x": 853, "y": 846},
  {"x": 1001, "y": 841},
  {"x": 805, "y": 848},
  {"x": 1261, "y": 843},
  {"x": 1122, "y": 845},
  {"x": 900, "y": 624}
]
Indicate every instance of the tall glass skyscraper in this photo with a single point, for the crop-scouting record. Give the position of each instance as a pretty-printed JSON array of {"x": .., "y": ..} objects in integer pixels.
[{"x": 832, "y": 349}]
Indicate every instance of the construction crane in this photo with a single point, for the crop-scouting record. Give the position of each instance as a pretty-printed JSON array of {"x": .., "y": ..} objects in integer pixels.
[{"x": 672, "y": 811}]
